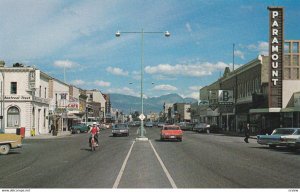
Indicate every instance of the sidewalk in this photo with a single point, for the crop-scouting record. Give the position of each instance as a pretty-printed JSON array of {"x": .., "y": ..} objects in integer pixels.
[{"x": 50, "y": 136}]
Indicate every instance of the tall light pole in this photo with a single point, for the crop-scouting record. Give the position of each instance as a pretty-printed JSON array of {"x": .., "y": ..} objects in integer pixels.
[{"x": 142, "y": 32}]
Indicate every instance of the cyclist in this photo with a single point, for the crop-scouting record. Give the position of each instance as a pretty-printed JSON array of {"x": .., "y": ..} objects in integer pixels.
[{"x": 94, "y": 130}]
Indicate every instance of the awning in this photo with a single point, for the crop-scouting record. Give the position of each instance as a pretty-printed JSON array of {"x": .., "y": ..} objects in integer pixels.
[
  {"x": 291, "y": 109},
  {"x": 72, "y": 116},
  {"x": 265, "y": 110}
]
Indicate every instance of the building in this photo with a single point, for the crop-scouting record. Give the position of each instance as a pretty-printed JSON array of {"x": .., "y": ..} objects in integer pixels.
[
  {"x": 181, "y": 112},
  {"x": 96, "y": 105},
  {"x": 24, "y": 100},
  {"x": 248, "y": 90}
]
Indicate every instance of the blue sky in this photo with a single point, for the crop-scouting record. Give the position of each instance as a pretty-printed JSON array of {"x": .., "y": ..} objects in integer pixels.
[{"x": 80, "y": 37}]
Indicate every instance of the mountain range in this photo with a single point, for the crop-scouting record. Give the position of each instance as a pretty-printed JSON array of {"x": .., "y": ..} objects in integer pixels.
[{"x": 129, "y": 104}]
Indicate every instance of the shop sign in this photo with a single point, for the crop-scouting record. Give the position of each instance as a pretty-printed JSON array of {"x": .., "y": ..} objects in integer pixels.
[
  {"x": 73, "y": 103},
  {"x": 276, "y": 42},
  {"x": 225, "y": 97},
  {"x": 17, "y": 97}
]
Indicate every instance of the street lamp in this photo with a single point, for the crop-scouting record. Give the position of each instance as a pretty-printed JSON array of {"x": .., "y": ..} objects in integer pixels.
[{"x": 118, "y": 34}]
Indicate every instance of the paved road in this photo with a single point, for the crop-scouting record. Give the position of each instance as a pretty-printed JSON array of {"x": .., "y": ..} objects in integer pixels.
[{"x": 199, "y": 161}]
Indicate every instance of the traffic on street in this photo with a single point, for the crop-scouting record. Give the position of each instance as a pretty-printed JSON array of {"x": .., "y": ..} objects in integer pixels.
[{"x": 201, "y": 160}]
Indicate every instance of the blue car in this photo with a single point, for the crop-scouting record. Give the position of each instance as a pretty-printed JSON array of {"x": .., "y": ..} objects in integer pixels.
[{"x": 275, "y": 138}]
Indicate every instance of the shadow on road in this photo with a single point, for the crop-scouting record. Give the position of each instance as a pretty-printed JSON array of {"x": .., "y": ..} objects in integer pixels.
[
  {"x": 285, "y": 150},
  {"x": 159, "y": 140}
]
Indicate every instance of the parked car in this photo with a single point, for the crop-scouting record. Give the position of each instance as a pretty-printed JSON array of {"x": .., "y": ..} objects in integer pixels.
[
  {"x": 149, "y": 124},
  {"x": 202, "y": 127},
  {"x": 9, "y": 141},
  {"x": 160, "y": 124},
  {"x": 80, "y": 128},
  {"x": 290, "y": 140},
  {"x": 297, "y": 143},
  {"x": 120, "y": 129},
  {"x": 276, "y": 138},
  {"x": 171, "y": 132}
]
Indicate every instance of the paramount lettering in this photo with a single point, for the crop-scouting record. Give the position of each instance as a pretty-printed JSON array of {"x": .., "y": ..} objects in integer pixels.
[{"x": 275, "y": 56}]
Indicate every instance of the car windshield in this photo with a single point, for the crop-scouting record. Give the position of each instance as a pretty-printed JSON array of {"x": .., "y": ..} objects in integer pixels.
[
  {"x": 283, "y": 131},
  {"x": 120, "y": 126},
  {"x": 171, "y": 128}
]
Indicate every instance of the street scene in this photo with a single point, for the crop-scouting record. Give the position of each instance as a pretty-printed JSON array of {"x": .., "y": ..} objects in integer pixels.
[
  {"x": 153, "y": 94},
  {"x": 201, "y": 160}
]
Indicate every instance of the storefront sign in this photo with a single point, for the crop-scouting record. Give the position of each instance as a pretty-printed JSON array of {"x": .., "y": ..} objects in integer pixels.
[
  {"x": 17, "y": 97},
  {"x": 276, "y": 42},
  {"x": 73, "y": 104},
  {"x": 225, "y": 97}
]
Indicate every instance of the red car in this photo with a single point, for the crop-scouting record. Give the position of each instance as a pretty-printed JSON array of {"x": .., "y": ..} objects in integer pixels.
[{"x": 171, "y": 132}]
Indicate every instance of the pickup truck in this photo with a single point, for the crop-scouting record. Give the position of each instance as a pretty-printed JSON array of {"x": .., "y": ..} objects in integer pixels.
[
  {"x": 9, "y": 141},
  {"x": 171, "y": 132}
]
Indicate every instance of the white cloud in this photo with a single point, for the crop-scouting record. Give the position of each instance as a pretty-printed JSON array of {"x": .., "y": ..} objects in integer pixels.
[
  {"x": 117, "y": 71},
  {"x": 165, "y": 88},
  {"x": 65, "y": 64},
  {"x": 78, "y": 82},
  {"x": 188, "y": 27},
  {"x": 239, "y": 54},
  {"x": 124, "y": 90},
  {"x": 194, "y": 95},
  {"x": 195, "y": 88},
  {"x": 102, "y": 83},
  {"x": 262, "y": 47},
  {"x": 193, "y": 70}
]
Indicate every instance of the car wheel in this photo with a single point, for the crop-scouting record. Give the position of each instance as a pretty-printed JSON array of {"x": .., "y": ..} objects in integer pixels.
[
  {"x": 180, "y": 139},
  {"x": 77, "y": 131},
  {"x": 4, "y": 149},
  {"x": 114, "y": 135}
]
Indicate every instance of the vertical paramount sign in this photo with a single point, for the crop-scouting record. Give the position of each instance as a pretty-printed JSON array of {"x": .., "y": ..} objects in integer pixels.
[{"x": 276, "y": 43}]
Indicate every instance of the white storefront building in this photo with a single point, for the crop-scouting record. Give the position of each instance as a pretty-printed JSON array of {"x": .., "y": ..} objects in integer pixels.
[{"x": 24, "y": 100}]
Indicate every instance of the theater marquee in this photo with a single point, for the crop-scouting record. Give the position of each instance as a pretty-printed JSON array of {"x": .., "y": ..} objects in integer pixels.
[{"x": 276, "y": 49}]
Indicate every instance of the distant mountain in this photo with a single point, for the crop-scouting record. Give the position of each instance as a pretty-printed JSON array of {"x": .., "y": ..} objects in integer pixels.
[{"x": 127, "y": 103}]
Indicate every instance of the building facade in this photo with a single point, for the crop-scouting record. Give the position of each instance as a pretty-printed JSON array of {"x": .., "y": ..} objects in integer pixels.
[{"x": 24, "y": 100}]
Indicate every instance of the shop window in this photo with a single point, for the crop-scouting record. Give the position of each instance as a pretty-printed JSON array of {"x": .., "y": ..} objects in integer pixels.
[
  {"x": 295, "y": 47},
  {"x": 13, "y": 88},
  {"x": 13, "y": 117}
]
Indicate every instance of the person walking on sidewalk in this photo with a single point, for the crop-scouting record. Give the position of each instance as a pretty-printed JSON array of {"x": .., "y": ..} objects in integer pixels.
[{"x": 247, "y": 133}]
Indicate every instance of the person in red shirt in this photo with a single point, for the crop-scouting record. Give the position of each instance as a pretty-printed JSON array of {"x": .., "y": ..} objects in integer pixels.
[{"x": 94, "y": 130}]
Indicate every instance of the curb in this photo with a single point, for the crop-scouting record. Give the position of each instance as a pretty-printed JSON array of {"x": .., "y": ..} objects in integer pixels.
[{"x": 48, "y": 136}]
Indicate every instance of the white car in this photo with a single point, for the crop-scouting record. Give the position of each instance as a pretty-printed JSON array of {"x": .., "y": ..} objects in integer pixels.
[
  {"x": 290, "y": 140},
  {"x": 297, "y": 143}
]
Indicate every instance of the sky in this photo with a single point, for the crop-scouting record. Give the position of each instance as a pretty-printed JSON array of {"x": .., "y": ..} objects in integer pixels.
[{"x": 78, "y": 37}]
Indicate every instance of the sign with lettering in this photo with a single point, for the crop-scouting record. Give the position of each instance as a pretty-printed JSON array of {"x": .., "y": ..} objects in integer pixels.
[
  {"x": 225, "y": 97},
  {"x": 18, "y": 97},
  {"x": 73, "y": 103},
  {"x": 276, "y": 45}
]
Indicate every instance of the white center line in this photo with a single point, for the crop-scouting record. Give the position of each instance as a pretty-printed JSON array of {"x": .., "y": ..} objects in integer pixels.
[
  {"x": 116, "y": 184},
  {"x": 164, "y": 167}
]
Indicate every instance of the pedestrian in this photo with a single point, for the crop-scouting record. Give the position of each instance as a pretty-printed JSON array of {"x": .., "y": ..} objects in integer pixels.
[
  {"x": 52, "y": 128},
  {"x": 247, "y": 133}
]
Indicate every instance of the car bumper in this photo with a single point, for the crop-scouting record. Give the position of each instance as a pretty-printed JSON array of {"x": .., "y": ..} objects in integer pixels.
[{"x": 171, "y": 136}]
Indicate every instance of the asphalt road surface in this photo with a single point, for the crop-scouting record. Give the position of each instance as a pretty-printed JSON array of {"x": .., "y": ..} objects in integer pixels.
[{"x": 199, "y": 161}]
